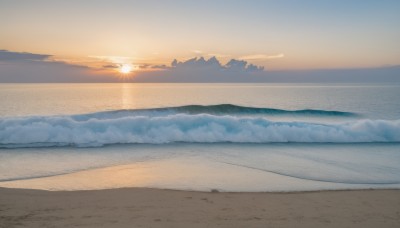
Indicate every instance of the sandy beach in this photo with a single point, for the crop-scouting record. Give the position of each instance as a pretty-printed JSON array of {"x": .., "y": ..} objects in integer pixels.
[{"x": 141, "y": 207}]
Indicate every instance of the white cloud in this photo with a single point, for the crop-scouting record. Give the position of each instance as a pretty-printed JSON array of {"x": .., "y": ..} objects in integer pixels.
[
  {"x": 262, "y": 56},
  {"x": 197, "y": 51}
]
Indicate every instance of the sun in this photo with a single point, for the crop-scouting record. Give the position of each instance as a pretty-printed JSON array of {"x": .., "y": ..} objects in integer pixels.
[{"x": 125, "y": 69}]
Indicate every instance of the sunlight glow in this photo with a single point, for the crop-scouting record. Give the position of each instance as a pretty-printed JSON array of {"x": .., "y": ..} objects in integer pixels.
[{"x": 125, "y": 69}]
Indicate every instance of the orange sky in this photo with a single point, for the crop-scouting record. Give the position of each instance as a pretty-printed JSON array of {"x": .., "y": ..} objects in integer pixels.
[{"x": 279, "y": 35}]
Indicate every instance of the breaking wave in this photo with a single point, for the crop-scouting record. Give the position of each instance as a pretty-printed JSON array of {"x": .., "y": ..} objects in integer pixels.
[{"x": 100, "y": 129}]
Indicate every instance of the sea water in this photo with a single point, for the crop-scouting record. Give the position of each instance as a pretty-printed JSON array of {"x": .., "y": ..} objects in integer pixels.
[{"x": 231, "y": 137}]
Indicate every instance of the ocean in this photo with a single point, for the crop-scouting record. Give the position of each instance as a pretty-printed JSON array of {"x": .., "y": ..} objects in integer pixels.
[{"x": 229, "y": 137}]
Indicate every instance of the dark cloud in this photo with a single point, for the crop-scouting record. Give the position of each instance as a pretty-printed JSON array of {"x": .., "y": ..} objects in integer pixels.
[
  {"x": 111, "y": 66},
  {"x": 197, "y": 63},
  {"x": 144, "y": 66},
  {"x": 241, "y": 65},
  {"x": 237, "y": 65},
  {"x": 7, "y": 56},
  {"x": 161, "y": 67},
  {"x": 214, "y": 64},
  {"x": 199, "y": 69},
  {"x": 254, "y": 68},
  {"x": 25, "y": 67}
]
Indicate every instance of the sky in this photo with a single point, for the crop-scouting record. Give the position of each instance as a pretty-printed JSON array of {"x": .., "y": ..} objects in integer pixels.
[{"x": 109, "y": 40}]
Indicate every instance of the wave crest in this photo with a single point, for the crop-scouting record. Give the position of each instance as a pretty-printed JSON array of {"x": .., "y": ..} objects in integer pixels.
[{"x": 201, "y": 128}]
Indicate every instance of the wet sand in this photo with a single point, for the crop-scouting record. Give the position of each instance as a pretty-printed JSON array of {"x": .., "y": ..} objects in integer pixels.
[{"x": 141, "y": 207}]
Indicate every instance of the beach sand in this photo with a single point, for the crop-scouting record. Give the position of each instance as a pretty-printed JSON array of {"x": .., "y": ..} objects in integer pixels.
[{"x": 141, "y": 207}]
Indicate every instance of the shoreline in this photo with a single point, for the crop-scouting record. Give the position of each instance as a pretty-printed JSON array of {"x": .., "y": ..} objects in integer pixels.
[
  {"x": 149, "y": 207},
  {"x": 215, "y": 191},
  {"x": 190, "y": 174}
]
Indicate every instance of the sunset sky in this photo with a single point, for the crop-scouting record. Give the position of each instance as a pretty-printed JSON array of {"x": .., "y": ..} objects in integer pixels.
[{"x": 278, "y": 35}]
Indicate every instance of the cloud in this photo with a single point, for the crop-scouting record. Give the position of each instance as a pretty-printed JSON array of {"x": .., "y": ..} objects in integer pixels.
[
  {"x": 160, "y": 67},
  {"x": 111, "y": 66},
  {"x": 28, "y": 67},
  {"x": 242, "y": 66},
  {"x": 197, "y": 51},
  {"x": 197, "y": 63},
  {"x": 262, "y": 56},
  {"x": 8, "y": 56},
  {"x": 26, "y": 57},
  {"x": 213, "y": 63},
  {"x": 199, "y": 69},
  {"x": 144, "y": 66}
]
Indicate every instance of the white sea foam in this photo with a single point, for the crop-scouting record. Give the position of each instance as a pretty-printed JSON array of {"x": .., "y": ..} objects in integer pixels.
[{"x": 199, "y": 128}]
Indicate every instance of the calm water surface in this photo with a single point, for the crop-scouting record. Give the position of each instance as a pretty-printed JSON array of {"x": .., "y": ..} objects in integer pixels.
[{"x": 374, "y": 101}]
